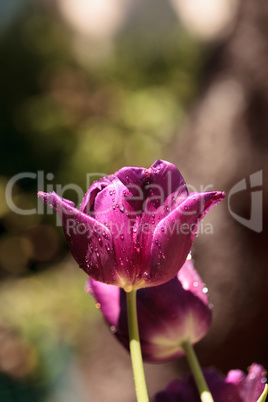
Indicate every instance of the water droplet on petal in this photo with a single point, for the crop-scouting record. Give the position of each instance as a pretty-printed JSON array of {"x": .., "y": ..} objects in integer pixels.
[
  {"x": 121, "y": 208},
  {"x": 98, "y": 305},
  {"x": 89, "y": 291},
  {"x": 146, "y": 276},
  {"x": 162, "y": 230},
  {"x": 113, "y": 329},
  {"x": 122, "y": 236},
  {"x": 205, "y": 289},
  {"x": 189, "y": 256},
  {"x": 195, "y": 284}
]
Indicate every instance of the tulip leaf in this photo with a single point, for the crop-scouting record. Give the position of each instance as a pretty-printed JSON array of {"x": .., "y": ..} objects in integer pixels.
[{"x": 263, "y": 396}]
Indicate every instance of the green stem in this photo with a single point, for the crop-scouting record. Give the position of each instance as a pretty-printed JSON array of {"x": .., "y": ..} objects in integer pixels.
[
  {"x": 263, "y": 396},
  {"x": 135, "y": 348},
  {"x": 205, "y": 394}
]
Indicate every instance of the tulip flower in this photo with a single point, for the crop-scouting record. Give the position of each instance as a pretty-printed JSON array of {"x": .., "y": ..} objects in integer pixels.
[
  {"x": 235, "y": 387},
  {"x": 168, "y": 315},
  {"x": 134, "y": 229}
]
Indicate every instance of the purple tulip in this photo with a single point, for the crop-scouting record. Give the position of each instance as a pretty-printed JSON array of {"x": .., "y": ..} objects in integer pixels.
[
  {"x": 168, "y": 315},
  {"x": 135, "y": 228},
  {"x": 235, "y": 387}
]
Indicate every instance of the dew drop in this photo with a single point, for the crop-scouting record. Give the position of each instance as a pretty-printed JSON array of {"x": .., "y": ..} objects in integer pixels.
[
  {"x": 157, "y": 242},
  {"x": 107, "y": 247},
  {"x": 146, "y": 276},
  {"x": 89, "y": 291},
  {"x": 195, "y": 284},
  {"x": 121, "y": 208},
  {"x": 122, "y": 236},
  {"x": 135, "y": 230},
  {"x": 113, "y": 207},
  {"x": 163, "y": 256},
  {"x": 98, "y": 305},
  {"x": 205, "y": 289},
  {"x": 162, "y": 230},
  {"x": 189, "y": 257},
  {"x": 111, "y": 192},
  {"x": 112, "y": 329}
]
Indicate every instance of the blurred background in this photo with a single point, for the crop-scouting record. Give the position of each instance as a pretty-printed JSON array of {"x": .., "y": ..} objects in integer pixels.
[{"x": 89, "y": 86}]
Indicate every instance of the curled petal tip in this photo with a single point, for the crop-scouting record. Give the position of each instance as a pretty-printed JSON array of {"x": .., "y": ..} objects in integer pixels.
[{"x": 41, "y": 194}]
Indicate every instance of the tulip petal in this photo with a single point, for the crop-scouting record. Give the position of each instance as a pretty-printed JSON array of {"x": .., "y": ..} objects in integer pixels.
[
  {"x": 254, "y": 383},
  {"x": 174, "y": 235},
  {"x": 109, "y": 298},
  {"x": 113, "y": 209},
  {"x": 87, "y": 205},
  {"x": 235, "y": 387},
  {"x": 162, "y": 184},
  {"x": 166, "y": 189},
  {"x": 89, "y": 240},
  {"x": 167, "y": 315}
]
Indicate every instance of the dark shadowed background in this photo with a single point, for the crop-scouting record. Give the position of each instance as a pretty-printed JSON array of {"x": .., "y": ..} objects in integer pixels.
[{"x": 87, "y": 87}]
